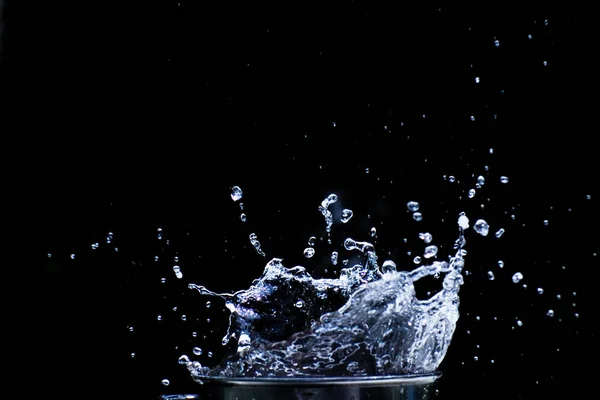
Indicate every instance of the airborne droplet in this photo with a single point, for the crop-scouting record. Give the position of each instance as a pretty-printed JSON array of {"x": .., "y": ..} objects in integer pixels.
[
  {"x": 236, "y": 193},
  {"x": 482, "y": 227}
]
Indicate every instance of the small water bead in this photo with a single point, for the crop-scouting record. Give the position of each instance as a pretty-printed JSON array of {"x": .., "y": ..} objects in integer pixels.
[
  {"x": 426, "y": 237},
  {"x": 497, "y": 43},
  {"x": 346, "y": 215},
  {"x": 451, "y": 179},
  {"x": 49, "y": 255},
  {"x": 476, "y": 358},
  {"x": 197, "y": 351},
  {"x": 177, "y": 271},
  {"x": 236, "y": 193},
  {"x": 309, "y": 252},
  {"x": 500, "y": 232},
  {"x": 155, "y": 258},
  {"x": 550, "y": 313},
  {"x": 516, "y": 278},
  {"x": 373, "y": 232},
  {"x": 72, "y": 256},
  {"x": 94, "y": 246},
  {"x": 184, "y": 317},
  {"x": 482, "y": 227},
  {"x": 163, "y": 280},
  {"x": 471, "y": 193},
  {"x": 477, "y": 80},
  {"x": 588, "y": 196},
  {"x": 430, "y": 251},
  {"x": 388, "y": 266},
  {"x": 540, "y": 290},
  {"x": 504, "y": 179},
  {"x": 491, "y": 276},
  {"x": 311, "y": 241},
  {"x": 243, "y": 217},
  {"x": 546, "y": 222},
  {"x": 183, "y": 360},
  {"x": 242, "y": 206},
  {"x": 519, "y": 323},
  {"x": 417, "y": 260},
  {"x": 209, "y": 354},
  {"x": 334, "y": 258},
  {"x": 208, "y": 304},
  {"x": 463, "y": 221},
  {"x": 412, "y": 206},
  {"x": 299, "y": 304},
  {"x": 165, "y": 382},
  {"x": 418, "y": 216},
  {"x": 159, "y": 318},
  {"x": 480, "y": 180}
]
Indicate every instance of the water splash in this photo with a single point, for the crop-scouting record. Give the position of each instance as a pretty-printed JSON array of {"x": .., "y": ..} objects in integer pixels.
[{"x": 367, "y": 322}]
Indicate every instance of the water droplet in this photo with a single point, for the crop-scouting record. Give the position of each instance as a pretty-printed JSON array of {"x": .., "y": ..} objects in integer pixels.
[
  {"x": 254, "y": 241},
  {"x": 477, "y": 80},
  {"x": 49, "y": 255},
  {"x": 540, "y": 290},
  {"x": 430, "y": 251},
  {"x": 516, "y": 278},
  {"x": 491, "y": 276},
  {"x": 159, "y": 318},
  {"x": 472, "y": 118},
  {"x": 309, "y": 252},
  {"x": 546, "y": 222},
  {"x": 500, "y": 232},
  {"x": 166, "y": 382},
  {"x": 519, "y": 323},
  {"x": 504, "y": 179},
  {"x": 94, "y": 246},
  {"x": 471, "y": 193},
  {"x": 334, "y": 258},
  {"x": 426, "y": 237},
  {"x": 299, "y": 304},
  {"x": 412, "y": 206},
  {"x": 451, "y": 179},
  {"x": 236, "y": 193},
  {"x": 183, "y": 360},
  {"x": 418, "y": 216},
  {"x": 388, "y": 266},
  {"x": 497, "y": 43},
  {"x": 463, "y": 221},
  {"x": 373, "y": 232},
  {"x": 417, "y": 260},
  {"x": 132, "y": 355},
  {"x": 197, "y": 351},
  {"x": 588, "y": 196},
  {"x": 480, "y": 180},
  {"x": 476, "y": 358},
  {"x": 346, "y": 215},
  {"x": 209, "y": 354},
  {"x": 163, "y": 280},
  {"x": 208, "y": 304},
  {"x": 558, "y": 297},
  {"x": 184, "y": 317},
  {"x": 550, "y": 313},
  {"x": 156, "y": 258},
  {"x": 311, "y": 241},
  {"x": 72, "y": 256},
  {"x": 243, "y": 217},
  {"x": 482, "y": 227},
  {"x": 177, "y": 271}
]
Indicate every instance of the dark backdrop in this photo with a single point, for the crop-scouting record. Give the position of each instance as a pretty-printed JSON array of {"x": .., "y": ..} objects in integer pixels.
[{"x": 129, "y": 116}]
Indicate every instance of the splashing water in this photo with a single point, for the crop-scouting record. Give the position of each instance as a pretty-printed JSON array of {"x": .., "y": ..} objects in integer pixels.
[{"x": 367, "y": 322}]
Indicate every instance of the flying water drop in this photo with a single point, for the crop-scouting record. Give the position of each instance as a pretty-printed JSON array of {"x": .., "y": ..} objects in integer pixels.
[
  {"x": 482, "y": 227},
  {"x": 412, "y": 206},
  {"x": 236, "y": 193},
  {"x": 430, "y": 251},
  {"x": 516, "y": 278},
  {"x": 309, "y": 252},
  {"x": 254, "y": 241},
  {"x": 346, "y": 215}
]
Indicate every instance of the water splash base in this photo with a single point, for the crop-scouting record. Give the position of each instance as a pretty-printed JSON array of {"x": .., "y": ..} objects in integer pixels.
[{"x": 402, "y": 387}]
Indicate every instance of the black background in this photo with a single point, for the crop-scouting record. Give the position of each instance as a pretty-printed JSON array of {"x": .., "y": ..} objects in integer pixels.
[{"x": 131, "y": 116}]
